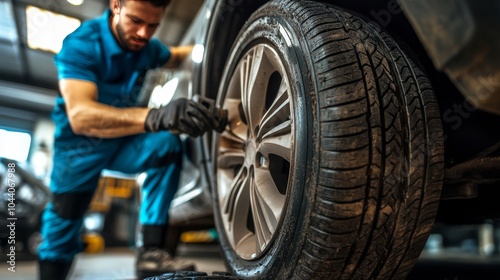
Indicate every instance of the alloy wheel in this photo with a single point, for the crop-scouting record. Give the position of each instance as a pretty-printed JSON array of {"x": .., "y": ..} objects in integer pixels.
[{"x": 255, "y": 151}]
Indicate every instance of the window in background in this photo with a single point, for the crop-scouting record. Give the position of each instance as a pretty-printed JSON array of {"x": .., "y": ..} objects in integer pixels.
[
  {"x": 9, "y": 31},
  {"x": 47, "y": 30},
  {"x": 14, "y": 145}
]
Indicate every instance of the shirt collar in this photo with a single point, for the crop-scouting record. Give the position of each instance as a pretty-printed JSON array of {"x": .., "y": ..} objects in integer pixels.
[{"x": 109, "y": 40}]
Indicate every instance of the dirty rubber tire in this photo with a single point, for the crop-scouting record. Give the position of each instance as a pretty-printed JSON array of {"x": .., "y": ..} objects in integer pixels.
[
  {"x": 184, "y": 275},
  {"x": 366, "y": 155}
]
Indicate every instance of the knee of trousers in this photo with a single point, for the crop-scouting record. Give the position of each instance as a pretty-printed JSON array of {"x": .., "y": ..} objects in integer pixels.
[
  {"x": 61, "y": 231},
  {"x": 71, "y": 205},
  {"x": 170, "y": 151}
]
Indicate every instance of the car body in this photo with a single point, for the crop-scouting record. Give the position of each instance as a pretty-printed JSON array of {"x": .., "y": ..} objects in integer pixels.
[{"x": 353, "y": 126}]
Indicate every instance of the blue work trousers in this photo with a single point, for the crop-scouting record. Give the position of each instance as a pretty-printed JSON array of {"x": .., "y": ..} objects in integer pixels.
[{"x": 77, "y": 167}]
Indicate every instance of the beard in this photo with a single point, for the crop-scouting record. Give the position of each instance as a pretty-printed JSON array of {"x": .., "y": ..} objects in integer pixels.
[{"x": 126, "y": 44}]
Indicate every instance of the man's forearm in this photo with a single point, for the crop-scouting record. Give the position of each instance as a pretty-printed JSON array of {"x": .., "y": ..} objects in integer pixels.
[{"x": 99, "y": 120}]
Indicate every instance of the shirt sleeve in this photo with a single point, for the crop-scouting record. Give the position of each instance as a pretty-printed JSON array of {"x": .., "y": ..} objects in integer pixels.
[{"x": 77, "y": 60}]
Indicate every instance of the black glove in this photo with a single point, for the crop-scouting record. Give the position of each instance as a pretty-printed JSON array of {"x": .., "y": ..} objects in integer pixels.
[
  {"x": 220, "y": 120},
  {"x": 180, "y": 116},
  {"x": 218, "y": 116}
]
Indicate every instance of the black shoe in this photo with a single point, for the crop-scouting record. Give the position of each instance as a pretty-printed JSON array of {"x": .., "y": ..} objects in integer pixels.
[
  {"x": 53, "y": 270},
  {"x": 155, "y": 261}
]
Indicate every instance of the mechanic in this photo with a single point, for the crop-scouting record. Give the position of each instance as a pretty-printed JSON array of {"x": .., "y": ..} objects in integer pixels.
[{"x": 98, "y": 126}]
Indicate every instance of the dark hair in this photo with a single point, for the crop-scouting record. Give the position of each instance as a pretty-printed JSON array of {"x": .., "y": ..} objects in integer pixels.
[{"x": 156, "y": 3}]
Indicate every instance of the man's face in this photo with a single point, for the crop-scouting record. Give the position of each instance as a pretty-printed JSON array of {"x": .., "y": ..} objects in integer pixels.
[{"x": 135, "y": 22}]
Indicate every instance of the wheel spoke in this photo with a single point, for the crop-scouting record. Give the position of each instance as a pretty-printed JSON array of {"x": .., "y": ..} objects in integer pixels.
[
  {"x": 232, "y": 191},
  {"x": 280, "y": 145},
  {"x": 257, "y": 83},
  {"x": 230, "y": 138},
  {"x": 243, "y": 78},
  {"x": 238, "y": 206},
  {"x": 277, "y": 114},
  {"x": 228, "y": 158},
  {"x": 268, "y": 193},
  {"x": 254, "y": 92},
  {"x": 267, "y": 204},
  {"x": 237, "y": 130}
]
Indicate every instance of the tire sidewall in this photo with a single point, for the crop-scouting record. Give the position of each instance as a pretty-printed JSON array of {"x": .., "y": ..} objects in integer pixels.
[{"x": 279, "y": 259}]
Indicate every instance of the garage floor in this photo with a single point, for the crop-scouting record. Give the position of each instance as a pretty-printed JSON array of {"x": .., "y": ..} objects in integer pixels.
[{"x": 118, "y": 263}]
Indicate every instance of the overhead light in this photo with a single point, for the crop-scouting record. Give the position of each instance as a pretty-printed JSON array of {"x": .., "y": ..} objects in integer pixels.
[
  {"x": 47, "y": 30},
  {"x": 75, "y": 2}
]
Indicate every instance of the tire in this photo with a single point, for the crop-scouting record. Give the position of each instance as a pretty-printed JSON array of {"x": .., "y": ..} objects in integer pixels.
[{"x": 332, "y": 163}]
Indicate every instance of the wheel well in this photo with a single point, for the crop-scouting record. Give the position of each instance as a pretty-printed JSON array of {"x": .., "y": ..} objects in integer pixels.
[
  {"x": 473, "y": 210},
  {"x": 232, "y": 14},
  {"x": 229, "y": 18}
]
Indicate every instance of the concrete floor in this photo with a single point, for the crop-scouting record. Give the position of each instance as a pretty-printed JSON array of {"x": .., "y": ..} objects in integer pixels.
[{"x": 118, "y": 263}]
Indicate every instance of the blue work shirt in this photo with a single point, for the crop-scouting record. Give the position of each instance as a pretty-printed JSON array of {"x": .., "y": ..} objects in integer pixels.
[{"x": 91, "y": 53}]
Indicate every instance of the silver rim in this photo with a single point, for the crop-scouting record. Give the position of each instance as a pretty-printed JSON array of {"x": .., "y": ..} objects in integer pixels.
[{"x": 255, "y": 152}]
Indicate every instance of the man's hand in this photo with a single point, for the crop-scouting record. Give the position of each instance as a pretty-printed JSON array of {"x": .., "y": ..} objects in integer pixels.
[
  {"x": 221, "y": 120},
  {"x": 218, "y": 116},
  {"x": 180, "y": 116}
]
